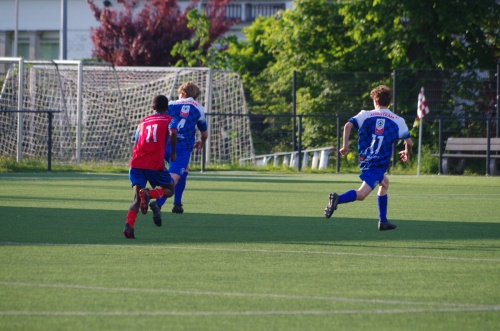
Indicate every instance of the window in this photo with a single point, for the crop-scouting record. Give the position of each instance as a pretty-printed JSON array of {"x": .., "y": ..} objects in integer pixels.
[{"x": 49, "y": 45}]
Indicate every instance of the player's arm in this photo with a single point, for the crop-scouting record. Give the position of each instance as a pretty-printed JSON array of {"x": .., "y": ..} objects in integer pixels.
[
  {"x": 199, "y": 144},
  {"x": 404, "y": 155},
  {"x": 173, "y": 144},
  {"x": 136, "y": 135},
  {"x": 347, "y": 132}
]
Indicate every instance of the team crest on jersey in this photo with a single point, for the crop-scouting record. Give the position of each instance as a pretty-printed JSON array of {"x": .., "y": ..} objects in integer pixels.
[
  {"x": 185, "y": 111},
  {"x": 379, "y": 128}
]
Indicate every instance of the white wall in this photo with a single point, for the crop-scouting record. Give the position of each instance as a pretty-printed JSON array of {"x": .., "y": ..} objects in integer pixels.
[{"x": 45, "y": 15}]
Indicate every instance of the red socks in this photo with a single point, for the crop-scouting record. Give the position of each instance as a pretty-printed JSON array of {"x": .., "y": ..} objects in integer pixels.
[
  {"x": 131, "y": 217},
  {"x": 156, "y": 193}
]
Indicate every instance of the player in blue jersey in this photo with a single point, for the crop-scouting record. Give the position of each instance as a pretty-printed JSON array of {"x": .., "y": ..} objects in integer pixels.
[
  {"x": 378, "y": 130},
  {"x": 190, "y": 116}
]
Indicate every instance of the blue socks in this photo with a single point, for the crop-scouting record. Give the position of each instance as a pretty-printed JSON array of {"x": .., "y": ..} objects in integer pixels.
[
  {"x": 382, "y": 208},
  {"x": 179, "y": 188},
  {"x": 348, "y": 196},
  {"x": 161, "y": 201}
]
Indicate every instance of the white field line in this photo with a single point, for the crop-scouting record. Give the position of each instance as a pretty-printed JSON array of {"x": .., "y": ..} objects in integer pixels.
[
  {"x": 265, "y": 251},
  {"x": 248, "y": 313},
  {"x": 446, "y": 305}
]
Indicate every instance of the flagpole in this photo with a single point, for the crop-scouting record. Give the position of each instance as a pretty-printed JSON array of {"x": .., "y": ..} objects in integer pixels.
[
  {"x": 422, "y": 110},
  {"x": 419, "y": 143}
]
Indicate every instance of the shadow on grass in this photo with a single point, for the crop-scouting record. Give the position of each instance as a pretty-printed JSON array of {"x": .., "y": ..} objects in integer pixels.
[{"x": 73, "y": 226}]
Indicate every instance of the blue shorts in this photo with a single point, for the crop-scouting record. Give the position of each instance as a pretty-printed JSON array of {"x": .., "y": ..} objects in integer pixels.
[
  {"x": 154, "y": 177},
  {"x": 181, "y": 162},
  {"x": 372, "y": 177}
]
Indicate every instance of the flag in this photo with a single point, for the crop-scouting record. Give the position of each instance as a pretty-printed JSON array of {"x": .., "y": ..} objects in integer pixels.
[{"x": 422, "y": 105}]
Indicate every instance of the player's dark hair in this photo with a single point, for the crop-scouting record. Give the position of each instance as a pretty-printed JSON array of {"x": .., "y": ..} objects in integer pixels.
[
  {"x": 382, "y": 94},
  {"x": 160, "y": 103},
  {"x": 190, "y": 90}
]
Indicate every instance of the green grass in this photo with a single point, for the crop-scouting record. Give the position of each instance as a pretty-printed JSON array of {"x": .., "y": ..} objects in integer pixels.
[{"x": 253, "y": 251}]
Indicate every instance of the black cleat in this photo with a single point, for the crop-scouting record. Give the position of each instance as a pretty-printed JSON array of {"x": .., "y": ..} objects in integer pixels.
[
  {"x": 332, "y": 205},
  {"x": 144, "y": 196},
  {"x": 128, "y": 232},
  {"x": 383, "y": 226},
  {"x": 177, "y": 208},
  {"x": 156, "y": 212}
]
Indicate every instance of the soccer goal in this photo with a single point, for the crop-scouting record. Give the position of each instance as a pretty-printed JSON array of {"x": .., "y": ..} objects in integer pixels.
[{"x": 101, "y": 105}]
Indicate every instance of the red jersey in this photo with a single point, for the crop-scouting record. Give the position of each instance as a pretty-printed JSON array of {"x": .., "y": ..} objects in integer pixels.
[{"x": 151, "y": 138}]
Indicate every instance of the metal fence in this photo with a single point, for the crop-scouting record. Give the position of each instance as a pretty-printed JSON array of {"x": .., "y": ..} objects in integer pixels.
[
  {"x": 436, "y": 131},
  {"x": 306, "y": 110}
]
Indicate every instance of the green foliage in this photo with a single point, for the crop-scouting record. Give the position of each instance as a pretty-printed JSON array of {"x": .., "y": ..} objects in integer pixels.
[
  {"x": 326, "y": 42},
  {"x": 191, "y": 50},
  {"x": 145, "y": 33}
]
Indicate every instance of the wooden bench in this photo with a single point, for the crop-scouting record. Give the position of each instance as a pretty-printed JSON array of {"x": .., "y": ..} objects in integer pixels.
[{"x": 460, "y": 149}]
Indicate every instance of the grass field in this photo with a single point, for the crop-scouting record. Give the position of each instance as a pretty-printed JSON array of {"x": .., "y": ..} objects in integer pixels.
[{"x": 251, "y": 252}]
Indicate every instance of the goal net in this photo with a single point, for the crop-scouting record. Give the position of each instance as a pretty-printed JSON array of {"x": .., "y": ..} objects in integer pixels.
[{"x": 100, "y": 107}]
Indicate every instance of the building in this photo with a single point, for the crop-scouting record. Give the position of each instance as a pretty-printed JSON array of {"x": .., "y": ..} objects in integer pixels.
[{"x": 38, "y": 25}]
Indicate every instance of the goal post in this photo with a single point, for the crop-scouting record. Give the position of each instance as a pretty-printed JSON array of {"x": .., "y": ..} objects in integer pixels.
[{"x": 101, "y": 106}]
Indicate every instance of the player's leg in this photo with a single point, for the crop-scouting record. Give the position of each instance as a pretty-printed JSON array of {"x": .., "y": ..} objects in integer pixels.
[
  {"x": 165, "y": 182},
  {"x": 138, "y": 181},
  {"x": 163, "y": 186},
  {"x": 179, "y": 190},
  {"x": 158, "y": 203},
  {"x": 155, "y": 207},
  {"x": 382, "y": 202},
  {"x": 179, "y": 169},
  {"x": 161, "y": 201},
  {"x": 370, "y": 180}
]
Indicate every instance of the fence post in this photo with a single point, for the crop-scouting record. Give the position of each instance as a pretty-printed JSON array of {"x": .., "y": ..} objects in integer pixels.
[
  {"x": 20, "y": 115},
  {"x": 440, "y": 146},
  {"x": 488, "y": 146},
  {"x": 49, "y": 143},
  {"x": 338, "y": 144},
  {"x": 203, "y": 158},
  {"x": 498, "y": 99},
  {"x": 299, "y": 149},
  {"x": 294, "y": 111}
]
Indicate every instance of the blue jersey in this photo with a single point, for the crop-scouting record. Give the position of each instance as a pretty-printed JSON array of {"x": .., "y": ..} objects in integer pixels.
[
  {"x": 378, "y": 130},
  {"x": 189, "y": 115}
]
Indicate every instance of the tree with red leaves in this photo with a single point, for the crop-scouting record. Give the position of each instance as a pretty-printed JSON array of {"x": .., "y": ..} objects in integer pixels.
[{"x": 146, "y": 36}]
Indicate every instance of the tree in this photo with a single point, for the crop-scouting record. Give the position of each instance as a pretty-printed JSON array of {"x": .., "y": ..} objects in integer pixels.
[
  {"x": 322, "y": 39},
  {"x": 200, "y": 50},
  {"x": 146, "y": 36},
  {"x": 454, "y": 34}
]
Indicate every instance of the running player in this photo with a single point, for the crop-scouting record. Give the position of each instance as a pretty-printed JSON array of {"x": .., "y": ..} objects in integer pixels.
[
  {"x": 190, "y": 115},
  {"x": 378, "y": 130},
  {"x": 147, "y": 164}
]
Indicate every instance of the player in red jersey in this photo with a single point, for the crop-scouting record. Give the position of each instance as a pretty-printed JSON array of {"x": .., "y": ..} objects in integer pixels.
[{"x": 146, "y": 165}]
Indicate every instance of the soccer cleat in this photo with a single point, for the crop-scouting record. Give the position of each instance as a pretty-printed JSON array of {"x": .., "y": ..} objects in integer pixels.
[
  {"x": 156, "y": 212},
  {"x": 144, "y": 196},
  {"x": 332, "y": 205},
  {"x": 177, "y": 208},
  {"x": 383, "y": 226},
  {"x": 128, "y": 232}
]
